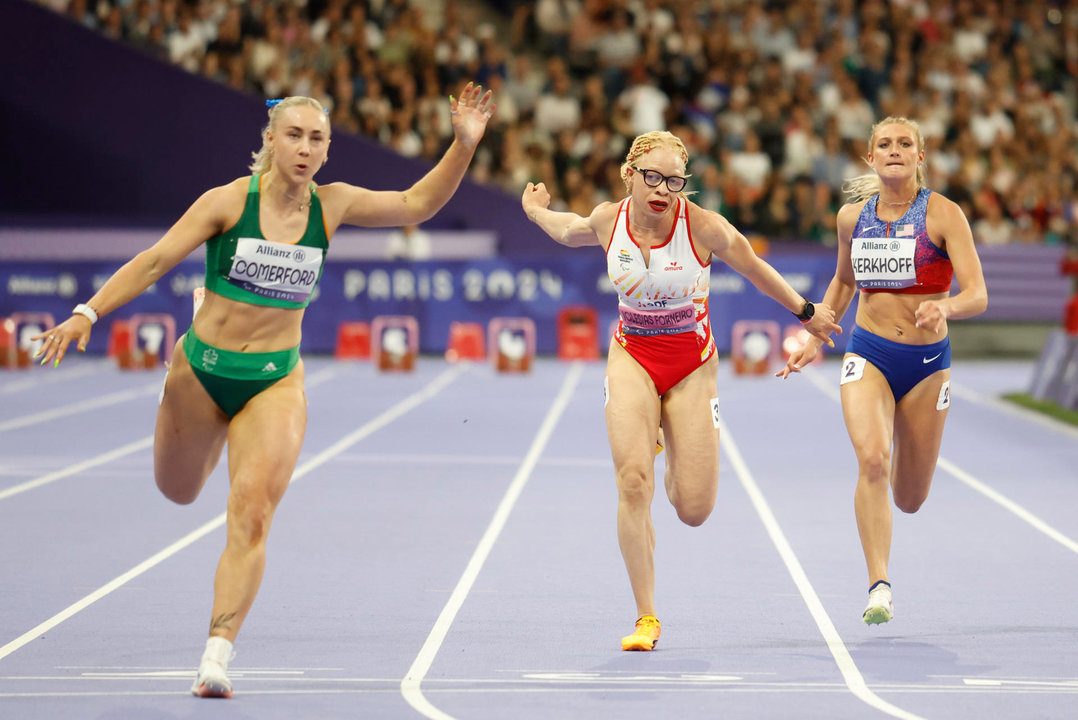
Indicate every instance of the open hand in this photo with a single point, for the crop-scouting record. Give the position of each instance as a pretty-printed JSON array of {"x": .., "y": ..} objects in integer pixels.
[
  {"x": 54, "y": 341},
  {"x": 799, "y": 358},
  {"x": 470, "y": 112}
]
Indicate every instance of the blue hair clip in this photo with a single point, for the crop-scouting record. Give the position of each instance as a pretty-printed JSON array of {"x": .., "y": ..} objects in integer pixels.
[{"x": 273, "y": 103}]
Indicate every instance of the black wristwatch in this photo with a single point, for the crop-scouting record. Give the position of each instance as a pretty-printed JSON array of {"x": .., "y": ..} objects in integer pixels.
[{"x": 807, "y": 311}]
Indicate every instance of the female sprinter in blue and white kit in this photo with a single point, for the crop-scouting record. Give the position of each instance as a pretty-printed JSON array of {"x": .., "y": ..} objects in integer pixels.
[
  {"x": 899, "y": 244},
  {"x": 237, "y": 375},
  {"x": 662, "y": 369}
]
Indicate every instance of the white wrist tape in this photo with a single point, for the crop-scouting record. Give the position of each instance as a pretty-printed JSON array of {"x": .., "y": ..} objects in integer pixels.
[{"x": 86, "y": 311}]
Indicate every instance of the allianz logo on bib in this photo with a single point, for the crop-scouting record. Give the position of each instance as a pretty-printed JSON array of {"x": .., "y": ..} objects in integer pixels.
[
  {"x": 873, "y": 245},
  {"x": 267, "y": 249}
]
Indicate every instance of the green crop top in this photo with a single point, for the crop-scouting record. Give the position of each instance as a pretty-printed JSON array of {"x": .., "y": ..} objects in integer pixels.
[{"x": 242, "y": 265}]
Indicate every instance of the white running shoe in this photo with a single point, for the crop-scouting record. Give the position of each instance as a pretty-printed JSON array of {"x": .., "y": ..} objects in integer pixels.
[
  {"x": 212, "y": 680},
  {"x": 880, "y": 606}
]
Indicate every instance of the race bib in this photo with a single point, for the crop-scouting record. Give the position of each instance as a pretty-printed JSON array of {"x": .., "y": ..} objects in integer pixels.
[
  {"x": 944, "y": 400},
  {"x": 853, "y": 369},
  {"x": 884, "y": 262},
  {"x": 661, "y": 321},
  {"x": 275, "y": 270}
]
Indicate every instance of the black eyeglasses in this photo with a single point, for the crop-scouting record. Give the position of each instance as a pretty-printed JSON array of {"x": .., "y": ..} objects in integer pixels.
[{"x": 652, "y": 178}]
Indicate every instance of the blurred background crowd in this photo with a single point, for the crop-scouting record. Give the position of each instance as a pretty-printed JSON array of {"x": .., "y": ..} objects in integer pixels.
[{"x": 774, "y": 100}]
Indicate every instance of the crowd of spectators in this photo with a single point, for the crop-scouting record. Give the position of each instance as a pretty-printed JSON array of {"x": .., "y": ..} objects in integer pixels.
[{"x": 774, "y": 100}]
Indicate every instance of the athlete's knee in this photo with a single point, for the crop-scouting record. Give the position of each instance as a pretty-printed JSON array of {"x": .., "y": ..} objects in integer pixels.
[
  {"x": 179, "y": 494},
  {"x": 173, "y": 487},
  {"x": 249, "y": 515},
  {"x": 248, "y": 522},
  {"x": 909, "y": 506},
  {"x": 909, "y": 501},
  {"x": 693, "y": 506},
  {"x": 875, "y": 466},
  {"x": 635, "y": 486},
  {"x": 694, "y": 513}
]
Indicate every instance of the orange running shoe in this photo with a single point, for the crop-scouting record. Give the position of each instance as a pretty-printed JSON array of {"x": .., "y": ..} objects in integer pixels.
[{"x": 644, "y": 636}]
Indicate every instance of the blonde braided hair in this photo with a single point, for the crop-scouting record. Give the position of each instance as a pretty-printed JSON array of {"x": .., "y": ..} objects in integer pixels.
[{"x": 643, "y": 144}]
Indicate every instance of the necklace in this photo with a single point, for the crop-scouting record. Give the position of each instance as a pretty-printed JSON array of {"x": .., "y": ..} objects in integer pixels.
[
  {"x": 303, "y": 204},
  {"x": 898, "y": 204},
  {"x": 287, "y": 200}
]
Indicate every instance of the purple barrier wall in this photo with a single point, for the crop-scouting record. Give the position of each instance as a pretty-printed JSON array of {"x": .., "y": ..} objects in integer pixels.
[
  {"x": 95, "y": 133},
  {"x": 436, "y": 293}
]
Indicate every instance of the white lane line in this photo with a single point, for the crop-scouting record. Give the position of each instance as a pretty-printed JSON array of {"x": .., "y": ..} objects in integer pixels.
[
  {"x": 854, "y": 680},
  {"x": 322, "y": 376},
  {"x": 1007, "y": 504},
  {"x": 108, "y": 587},
  {"x": 828, "y": 385},
  {"x": 316, "y": 379},
  {"x": 433, "y": 459},
  {"x": 41, "y": 378},
  {"x": 410, "y": 685},
  {"x": 84, "y": 406},
  {"x": 409, "y": 403},
  {"x": 78, "y": 467},
  {"x": 476, "y": 687},
  {"x": 972, "y": 482},
  {"x": 1014, "y": 410}
]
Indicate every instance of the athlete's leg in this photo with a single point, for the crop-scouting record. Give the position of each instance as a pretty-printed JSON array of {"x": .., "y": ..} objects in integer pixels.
[
  {"x": 919, "y": 420},
  {"x": 264, "y": 441},
  {"x": 632, "y": 422},
  {"x": 868, "y": 408},
  {"x": 189, "y": 435},
  {"x": 692, "y": 443}
]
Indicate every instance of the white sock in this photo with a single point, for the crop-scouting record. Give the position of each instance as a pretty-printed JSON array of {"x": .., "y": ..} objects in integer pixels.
[{"x": 219, "y": 650}]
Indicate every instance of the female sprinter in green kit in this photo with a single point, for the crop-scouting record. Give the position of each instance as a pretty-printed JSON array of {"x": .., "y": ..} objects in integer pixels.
[{"x": 236, "y": 375}]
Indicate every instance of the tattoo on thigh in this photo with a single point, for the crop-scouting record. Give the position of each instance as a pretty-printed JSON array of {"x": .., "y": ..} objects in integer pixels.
[{"x": 221, "y": 622}]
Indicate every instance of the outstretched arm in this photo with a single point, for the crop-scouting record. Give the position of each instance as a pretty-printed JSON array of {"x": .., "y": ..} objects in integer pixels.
[
  {"x": 370, "y": 208},
  {"x": 204, "y": 219},
  {"x": 567, "y": 228},
  {"x": 840, "y": 291},
  {"x": 715, "y": 233}
]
